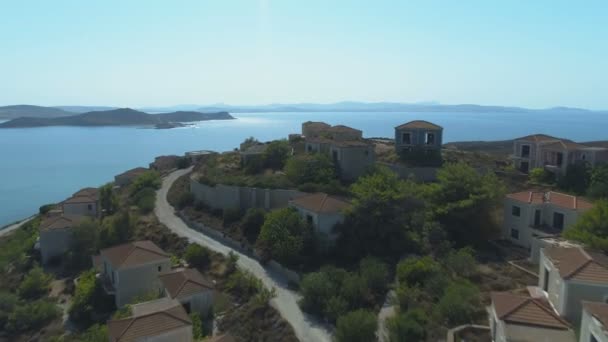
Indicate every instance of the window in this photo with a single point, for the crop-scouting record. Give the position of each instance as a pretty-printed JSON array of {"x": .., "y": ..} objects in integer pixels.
[
  {"x": 524, "y": 166},
  {"x": 559, "y": 159},
  {"x": 309, "y": 148},
  {"x": 537, "y": 218},
  {"x": 335, "y": 155},
  {"x": 113, "y": 282},
  {"x": 90, "y": 207},
  {"x": 525, "y": 151},
  {"x": 366, "y": 152},
  {"x": 309, "y": 219},
  {"x": 430, "y": 139},
  {"x": 515, "y": 211},
  {"x": 558, "y": 221},
  {"x": 515, "y": 234},
  {"x": 406, "y": 138},
  {"x": 546, "y": 282},
  {"x": 160, "y": 268}
]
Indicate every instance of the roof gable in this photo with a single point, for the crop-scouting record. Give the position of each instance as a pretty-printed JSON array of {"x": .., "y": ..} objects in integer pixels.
[
  {"x": 60, "y": 222},
  {"x": 538, "y": 138},
  {"x": 419, "y": 124},
  {"x": 526, "y": 310},
  {"x": 321, "y": 203},
  {"x": 577, "y": 264},
  {"x": 598, "y": 310},
  {"x": 134, "y": 253},
  {"x": 185, "y": 282}
]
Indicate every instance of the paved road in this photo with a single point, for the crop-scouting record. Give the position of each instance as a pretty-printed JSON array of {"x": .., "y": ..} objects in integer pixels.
[
  {"x": 306, "y": 328},
  {"x": 15, "y": 226},
  {"x": 387, "y": 311}
]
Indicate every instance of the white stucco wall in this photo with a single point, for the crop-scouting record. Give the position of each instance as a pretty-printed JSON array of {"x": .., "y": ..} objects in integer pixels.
[
  {"x": 557, "y": 290},
  {"x": 54, "y": 243},
  {"x": 591, "y": 326},
  {"x": 323, "y": 223},
  {"x": 525, "y": 333}
]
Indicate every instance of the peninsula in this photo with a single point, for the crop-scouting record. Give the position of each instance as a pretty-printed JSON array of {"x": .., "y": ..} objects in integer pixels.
[{"x": 117, "y": 117}]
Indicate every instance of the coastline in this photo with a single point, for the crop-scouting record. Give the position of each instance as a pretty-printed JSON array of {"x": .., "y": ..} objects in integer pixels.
[{"x": 14, "y": 226}]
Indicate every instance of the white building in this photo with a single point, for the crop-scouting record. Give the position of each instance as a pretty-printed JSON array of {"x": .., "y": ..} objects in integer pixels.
[
  {"x": 190, "y": 288},
  {"x": 594, "y": 324},
  {"x": 321, "y": 210}
]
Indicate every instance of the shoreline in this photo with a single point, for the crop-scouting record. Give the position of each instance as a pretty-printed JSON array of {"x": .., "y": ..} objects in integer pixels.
[{"x": 5, "y": 230}]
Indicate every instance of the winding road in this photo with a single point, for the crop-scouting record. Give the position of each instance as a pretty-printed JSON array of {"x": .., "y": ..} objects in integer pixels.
[{"x": 286, "y": 301}]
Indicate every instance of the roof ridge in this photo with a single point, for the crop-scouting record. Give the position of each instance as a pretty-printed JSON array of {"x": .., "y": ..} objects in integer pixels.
[
  {"x": 549, "y": 311},
  {"x": 132, "y": 319},
  {"x": 516, "y": 307},
  {"x": 148, "y": 249}
]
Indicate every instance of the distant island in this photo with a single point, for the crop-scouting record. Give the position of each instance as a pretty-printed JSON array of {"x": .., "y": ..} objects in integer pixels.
[{"x": 118, "y": 117}]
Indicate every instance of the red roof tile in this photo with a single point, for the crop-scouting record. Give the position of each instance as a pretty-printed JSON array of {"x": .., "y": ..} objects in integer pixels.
[
  {"x": 517, "y": 309},
  {"x": 579, "y": 264},
  {"x": 321, "y": 203},
  {"x": 557, "y": 198},
  {"x": 418, "y": 124},
  {"x": 185, "y": 282},
  {"x": 134, "y": 253}
]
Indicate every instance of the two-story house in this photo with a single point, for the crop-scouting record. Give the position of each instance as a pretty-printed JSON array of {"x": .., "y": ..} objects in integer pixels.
[
  {"x": 85, "y": 202},
  {"x": 56, "y": 235},
  {"x": 569, "y": 276},
  {"x": 524, "y": 318},
  {"x": 553, "y": 154},
  {"x": 594, "y": 322},
  {"x": 314, "y": 129},
  {"x": 132, "y": 270},
  {"x": 529, "y": 215},
  {"x": 190, "y": 288},
  {"x": 162, "y": 320},
  {"x": 418, "y": 134},
  {"x": 321, "y": 211}
]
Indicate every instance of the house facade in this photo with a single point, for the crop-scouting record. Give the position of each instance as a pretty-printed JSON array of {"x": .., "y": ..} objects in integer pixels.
[
  {"x": 132, "y": 270},
  {"x": 523, "y": 318},
  {"x": 530, "y": 215},
  {"x": 353, "y": 158},
  {"x": 129, "y": 176},
  {"x": 162, "y": 320},
  {"x": 553, "y": 154},
  {"x": 190, "y": 288},
  {"x": 56, "y": 236},
  {"x": 570, "y": 276},
  {"x": 314, "y": 129},
  {"x": 321, "y": 211},
  {"x": 418, "y": 134},
  {"x": 85, "y": 202},
  {"x": 594, "y": 322}
]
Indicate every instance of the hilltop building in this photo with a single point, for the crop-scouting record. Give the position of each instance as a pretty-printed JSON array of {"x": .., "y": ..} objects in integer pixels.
[{"x": 419, "y": 142}]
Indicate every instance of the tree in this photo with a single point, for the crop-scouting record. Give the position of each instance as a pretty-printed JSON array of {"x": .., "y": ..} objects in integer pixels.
[
  {"x": 247, "y": 143},
  {"x": 599, "y": 182},
  {"x": 8, "y": 302},
  {"x": 35, "y": 284},
  {"x": 282, "y": 235},
  {"x": 31, "y": 315},
  {"x": 276, "y": 154},
  {"x": 310, "y": 168},
  {"x": 591, "y": 227},
  {"x": 374, "y": 273},
  {"x": 197, "y": 326},
  {"x": 316, "y": 288},
  {"x": 197, "y": 255},
  {"x": 408, "y": 326},
  {"x": 382, "y": 220},
  {"x": 184, "y": 163},
  {"x": 539, "y": 176},
  {"x": 148, "y": 179},
  {"x": 459, "y": 303},
  {"x": 356, "y": 326},
  {"x": 89, "y": 298},
  {"x": 414, "y": 271},
  {"x": 108, "y": 199},
  {"x": 145, "y": 200},
  {"x": 461, "y": 262},
  {"x": 252, "y": 223},
  {"x": 577, "y": 178},
  {"x": 83, "y": 243},
  {"x": 463, "y": 201},
  {"x": 117, "y": 229},
  {"x": 95, "y": 333}
]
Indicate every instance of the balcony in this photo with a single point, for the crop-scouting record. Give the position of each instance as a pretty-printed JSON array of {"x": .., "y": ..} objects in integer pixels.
[{"x": 544, "y": 230}]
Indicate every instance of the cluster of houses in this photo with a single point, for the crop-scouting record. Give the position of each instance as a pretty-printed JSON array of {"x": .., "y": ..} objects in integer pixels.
[
  {"x": 572, "y": 280},
  {"x": 134, "y": 270}
]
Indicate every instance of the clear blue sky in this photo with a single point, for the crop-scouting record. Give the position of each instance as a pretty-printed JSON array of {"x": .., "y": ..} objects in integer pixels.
[{"x": 140, "y": 53}]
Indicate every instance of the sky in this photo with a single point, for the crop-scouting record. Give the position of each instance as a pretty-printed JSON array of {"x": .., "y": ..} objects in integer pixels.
[{"x": 535, "y": 54}]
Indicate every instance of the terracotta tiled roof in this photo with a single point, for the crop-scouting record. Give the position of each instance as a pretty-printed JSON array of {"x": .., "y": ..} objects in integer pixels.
[
  {"x": 517, "y": 309},
  {"x": 342, "y": 128},
  {"x": 419, "y": 124},
  {"x": 89, "y": 192},
  {"x": 80, "y": 199},
  {"x": 134, "y": 172},
  {"x": 152, "y": 319},
  {"x": 185, "y": 282},
  {"x": 557, "y": 198},
  {"x": 134, "y": 253},
  {"x": 222, "y": 338},
  {"x": 566, "y": 145},
  {"x": 577, "y": 264},
  {"x": 321, "y": 203},
  {"x": 538, "y": 138},
  {"x": 597, "y": 310},
  {"x": 60, "y": 222},
  {"x": 316, "y": 124}
]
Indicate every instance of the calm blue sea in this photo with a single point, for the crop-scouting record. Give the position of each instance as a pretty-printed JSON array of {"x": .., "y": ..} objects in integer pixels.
[{"x": 44, "y": 165}]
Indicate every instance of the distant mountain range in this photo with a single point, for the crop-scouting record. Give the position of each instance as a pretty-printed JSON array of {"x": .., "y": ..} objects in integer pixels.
[
  {"x": 12, "y": 112},
  {"x": 117, "y": 117}
]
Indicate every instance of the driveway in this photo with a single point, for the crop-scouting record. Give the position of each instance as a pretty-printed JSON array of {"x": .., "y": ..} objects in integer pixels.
[{"x": 286, "y": 301}]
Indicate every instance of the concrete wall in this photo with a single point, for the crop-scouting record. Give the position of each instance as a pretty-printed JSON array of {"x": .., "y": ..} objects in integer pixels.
[
  {"x": 591, "y": 327},
  {"x": 235, "y": 197},
  {"x": 182, "y": 334},
  {"x": 80, "y": 209},
  {"x": 132, "y": 282},
  {"x": 577, "y": 292},
  {"x": 54, "y": 243},
  {"x": 417, "y": 138}
]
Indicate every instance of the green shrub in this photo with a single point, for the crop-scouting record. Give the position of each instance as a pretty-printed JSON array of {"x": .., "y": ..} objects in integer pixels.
[
  {"x": 231, "y": 215},
  {"x": 374, "y": 273},
  {"x": 282, "y": 235},
  {"x": 145, "y": 200},
  {"x": 539, "y": 175},
  {"x": 316, "y": 289},
  {"x": 252, "y": 223},
  {"x": 148, "y": 179},
  {"x": 46, "y": 208},
  {"x": 89, "y": 298},
  {"x": 315, "y": 169},
  {"x": 357, "y": 326},
  {"x": 276, "y": 154},
  {"x": 8, "y": 302},
  {"x": 414, "y": 271},
  {"x": 35, "y": 284},
  {"x": 95, "y": 333},
  {"x": 32, "y": 315},
  {"x": 186, "y": 199},
  {"x": 197, "y": 255},
  {"x": 197, "y": 326},
  {"x": 459, "y": 303},
  {"x": 408, "y": 326}
]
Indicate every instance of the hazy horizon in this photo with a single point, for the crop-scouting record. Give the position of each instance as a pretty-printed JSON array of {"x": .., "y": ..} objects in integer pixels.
[{"x": 133, "y": 54}]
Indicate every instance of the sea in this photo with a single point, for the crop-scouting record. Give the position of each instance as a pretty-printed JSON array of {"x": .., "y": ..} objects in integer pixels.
[{"x": 48, "y": 164}]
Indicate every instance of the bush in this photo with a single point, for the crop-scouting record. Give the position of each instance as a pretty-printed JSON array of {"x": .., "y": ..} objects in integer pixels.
[
  {"x": 408, "y": 326},
  {"x": 197, "y": 255},
  {"x": 231, "y": 215},
  {"x": 243, "y": 284},
  {"x": 197, "y": 326},
  {"x": 95, "y": 333},
  {"x": 46, "y": 208},
  {"x": 461, "y": 262},
  {"x": 276, "y": 154},
  {"x": 32, "y": 315},
  {"x": 459, "y": 303},
  {"x": 577, "y": 178},
  {"x": 409, "y": 297},
  {"x": 316, "y": 169},
  {"x": 148, "y": 179},
  {"x": 591, "y": 227},
  {"x": 145, "y": 200},
  {"x": 374, "y": 273},
  {"x": 184, "y": 163},
  {"x": 414, "y": 271},
  {"x": 316, "y": 289},
  {"x": 356, "y": 326},
  {"x": 88, "y": 298},
  {"x": 282, "y": 235},
  {"x": 35, "y": 284},
  {"x": 186, "y": 199},
  {"x": 599, "y": 182},
  {"x": 8, "y": 302},
  {"x": 539, "y": 175},
  {"x": 252, "y": 223}
]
